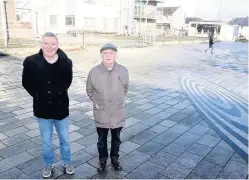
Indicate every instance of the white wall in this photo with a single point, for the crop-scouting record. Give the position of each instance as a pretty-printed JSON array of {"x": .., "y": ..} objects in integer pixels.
[
  {"x": 106, "y": 16},
  {"x": 43, "y": 17},
  {"x": 244, "y": 31},
  {"x": 192, "y": 31},
  {"x": 177, "y": 19},
  {"x": 226, "y": 32}
]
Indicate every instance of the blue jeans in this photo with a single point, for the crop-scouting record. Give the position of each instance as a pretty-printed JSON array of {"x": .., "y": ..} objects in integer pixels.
[{"x": 46, "y": 131}]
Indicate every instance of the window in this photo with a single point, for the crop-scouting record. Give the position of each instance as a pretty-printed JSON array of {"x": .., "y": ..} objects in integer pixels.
[
  {"x": 70, "y": 20},
  {"x": 193, "y": 25},
  {"x": 53, "y": 20},
  {"x": 90, "y": 1}
]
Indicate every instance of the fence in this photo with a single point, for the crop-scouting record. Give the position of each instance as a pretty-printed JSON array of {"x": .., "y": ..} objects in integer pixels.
[
  {"x": 82, "y": 38},
  {"x": 19, "y": 38}
]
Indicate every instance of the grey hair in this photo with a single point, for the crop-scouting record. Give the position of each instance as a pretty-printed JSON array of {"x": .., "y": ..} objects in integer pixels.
[{"x": 50, "y": 34}]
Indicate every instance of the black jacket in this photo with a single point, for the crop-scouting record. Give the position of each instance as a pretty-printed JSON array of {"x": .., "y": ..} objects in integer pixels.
[{"x": 48, "y": 85}]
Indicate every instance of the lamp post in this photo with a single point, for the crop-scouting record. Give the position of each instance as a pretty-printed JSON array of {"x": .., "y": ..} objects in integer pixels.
[
  {"x": 219, "y": 10},
  {"x": 4, "y": 22},
  {"x": 140, "y": 7},
  {"x": 121, "y": 17},
  {"x": 217, "y": 28},
  {"x": 146, "y": 19}
]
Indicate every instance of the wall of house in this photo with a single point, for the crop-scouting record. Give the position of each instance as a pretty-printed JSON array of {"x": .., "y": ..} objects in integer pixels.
[
  {"x": 177, "y": 20},
  {"x": 103, "y": 16},
  {"x": 226, "y": 33},
  {"x": 192, "y": 29},
  {"x": 193, "y": 32},
  {"x": 51, "y": 18},
  {"x": 244, "y": 31},
  {"x": 151, "y": 27},
  {"x": 106, "y": 16}
]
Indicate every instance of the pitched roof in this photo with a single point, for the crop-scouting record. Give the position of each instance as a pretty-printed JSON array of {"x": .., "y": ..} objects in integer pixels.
[
  {"x": 168, "y": 11},
  {"x": 239, "y": 21},
  {"x": 194, "y": 19}
]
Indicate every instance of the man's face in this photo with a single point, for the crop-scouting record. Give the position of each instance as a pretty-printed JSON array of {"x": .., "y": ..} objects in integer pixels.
[
  {"x": 49, "y": 46},
  {"x": 109, "y": 56}
]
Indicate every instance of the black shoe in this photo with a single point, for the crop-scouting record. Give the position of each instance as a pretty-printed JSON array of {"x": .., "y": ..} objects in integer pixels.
[
  {"x": 102, "y": 166},
  {"x": 117, "y": 166}
]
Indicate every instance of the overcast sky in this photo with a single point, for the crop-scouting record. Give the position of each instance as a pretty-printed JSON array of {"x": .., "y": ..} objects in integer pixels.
[{"x": 209, "y": 9}]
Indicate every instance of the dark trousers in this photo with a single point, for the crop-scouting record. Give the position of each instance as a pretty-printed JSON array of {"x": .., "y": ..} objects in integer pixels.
[{"x": 102, "y": 143}]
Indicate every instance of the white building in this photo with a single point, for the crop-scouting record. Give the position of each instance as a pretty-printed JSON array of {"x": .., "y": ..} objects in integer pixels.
[
  {"x": 204, "y": 28},
  {"x": 244, "y": 31},
  {"x": 222, "y": 31},
  {"x": 191, "y": 19},
  {"x": 243, "y": 26},
  {"x": 61, "y": 16},
  {"x": 145, "y": 16},
  {"x": 229, "y": 32},
  {"x": 170, "y": 19}
]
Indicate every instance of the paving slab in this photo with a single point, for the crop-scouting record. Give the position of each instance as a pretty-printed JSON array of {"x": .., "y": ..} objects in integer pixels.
[
  {"x": 163, "y": 159},
  {"x": 175, "y": 171},
  {"x": 189, "y": 160},
  {"x": 14, "y": 161},
  {"x": 208, "y": 170},
  {"x": 234, "y": 170},
  {"x": 133, "y": 160},
  {"x": 143, "y": 137},
  {"x": 150, "y": 148},
  {"x": 147, "y": 170}
]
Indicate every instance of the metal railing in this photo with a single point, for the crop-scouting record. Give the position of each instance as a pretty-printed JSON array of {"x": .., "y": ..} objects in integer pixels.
[{"x": 83, "y": 38}]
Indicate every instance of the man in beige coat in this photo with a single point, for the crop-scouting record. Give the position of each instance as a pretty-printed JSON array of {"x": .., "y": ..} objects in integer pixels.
[{"x": 107, "y": 87}]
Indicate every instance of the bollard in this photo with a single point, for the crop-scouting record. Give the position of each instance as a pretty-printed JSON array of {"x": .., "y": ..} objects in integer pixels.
[{"x": 21, "y": 43}]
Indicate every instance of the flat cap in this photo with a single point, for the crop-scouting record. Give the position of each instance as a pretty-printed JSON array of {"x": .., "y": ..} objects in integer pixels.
[{"x": 108, "y": 46}]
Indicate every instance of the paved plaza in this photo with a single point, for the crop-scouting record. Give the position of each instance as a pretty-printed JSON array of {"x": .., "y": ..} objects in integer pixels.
[{"x": 177, "y": 98}]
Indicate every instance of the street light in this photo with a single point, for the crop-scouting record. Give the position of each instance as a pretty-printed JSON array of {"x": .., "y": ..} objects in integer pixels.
[
  {"x": 219, "y": 11},
  {"x": 217, "y": 28},
  {"x": 140, "y": 7},
  {"x": 4, "y": 22},
  {"x": 146, "y": 19}
]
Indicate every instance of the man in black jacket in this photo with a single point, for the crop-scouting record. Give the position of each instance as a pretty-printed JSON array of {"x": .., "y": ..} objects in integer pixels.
[{"x": 47, "y": 76}]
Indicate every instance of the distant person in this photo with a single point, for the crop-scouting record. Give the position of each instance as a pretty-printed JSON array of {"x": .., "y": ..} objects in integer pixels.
[
  {"x": 107, "y": 87},
  {"x": 125, "y": 30},
  {"x": 211, "y": 43},
  {"x": 47, "y": 76}
]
